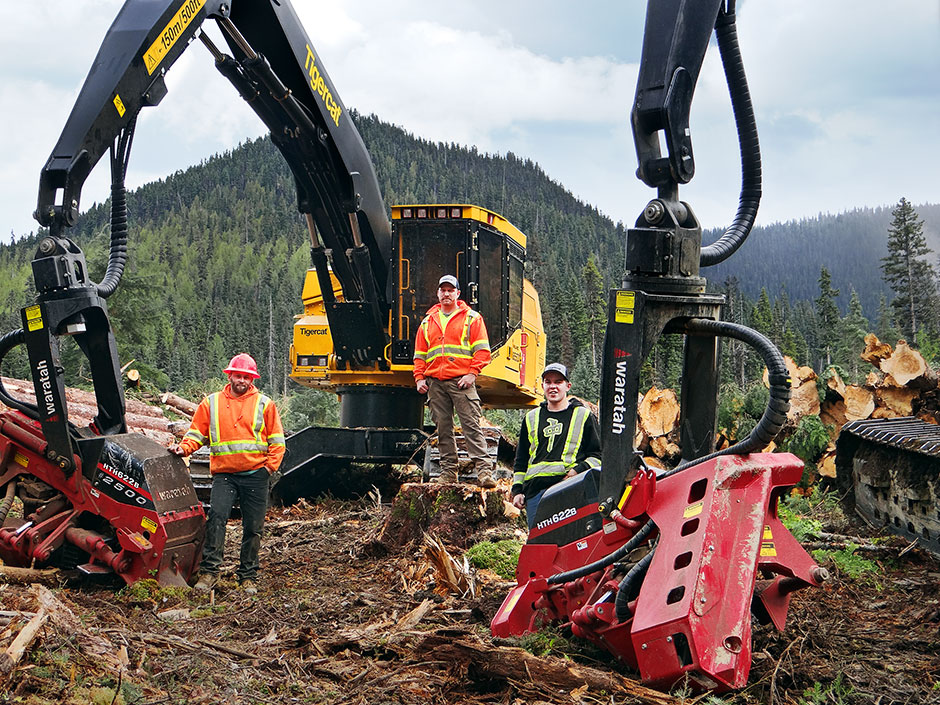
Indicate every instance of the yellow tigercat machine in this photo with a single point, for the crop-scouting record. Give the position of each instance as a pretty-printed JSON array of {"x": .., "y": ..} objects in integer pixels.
[
  {"x": 487, "y": 254},
  {"x": 381, "y": 413}
]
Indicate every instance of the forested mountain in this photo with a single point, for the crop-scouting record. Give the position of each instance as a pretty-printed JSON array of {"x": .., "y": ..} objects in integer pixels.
[
  {"x": 850, "y": 245},
  {"x": 218, "y": 253}
]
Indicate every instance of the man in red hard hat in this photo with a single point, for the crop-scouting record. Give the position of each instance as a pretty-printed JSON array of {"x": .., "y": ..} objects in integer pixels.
[{"x": 243, "y": 430}]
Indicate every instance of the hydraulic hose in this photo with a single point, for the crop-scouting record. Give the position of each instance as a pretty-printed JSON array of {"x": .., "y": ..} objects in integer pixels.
[
  {"x": 749, "y": 200},
  {"x": 775, "y": 414},
  {"x": 7, "y": 502},
  {"x": 7, "y": 343},
  {"x": 117, "y": 256},
  {"x": 629, "y": 585},
  {"x": 607, "y": 560}
]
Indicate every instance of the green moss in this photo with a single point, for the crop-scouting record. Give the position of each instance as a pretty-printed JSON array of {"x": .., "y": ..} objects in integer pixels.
[{"x": 500, "y": 556}]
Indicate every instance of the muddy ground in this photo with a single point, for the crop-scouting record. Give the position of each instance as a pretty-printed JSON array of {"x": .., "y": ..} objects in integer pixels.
[{"x": 336, "y": 621}]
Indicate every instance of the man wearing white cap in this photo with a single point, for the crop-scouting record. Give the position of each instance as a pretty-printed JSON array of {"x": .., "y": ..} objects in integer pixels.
[
  {"x": 558, "y": 439},
  {"x": 451, "y": 349}
]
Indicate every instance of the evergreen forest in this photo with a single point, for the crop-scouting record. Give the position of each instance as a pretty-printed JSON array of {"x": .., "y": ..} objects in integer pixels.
[{"x": 217, "y": 255}]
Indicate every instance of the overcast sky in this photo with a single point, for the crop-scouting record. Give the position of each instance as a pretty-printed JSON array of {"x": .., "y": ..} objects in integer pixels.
[{"x": 847, "y": 96}]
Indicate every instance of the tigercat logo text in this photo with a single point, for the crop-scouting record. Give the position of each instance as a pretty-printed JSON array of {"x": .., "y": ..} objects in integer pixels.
[
  {"x": 45, "y": 382},
  {"x": 314, "y": 331},
  {"x": 320, "y": 88},
  {"x": 620, "y": 387}
]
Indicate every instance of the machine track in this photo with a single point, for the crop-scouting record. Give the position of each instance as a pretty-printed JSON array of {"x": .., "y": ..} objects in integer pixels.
[{"x": 895, "y": 469}]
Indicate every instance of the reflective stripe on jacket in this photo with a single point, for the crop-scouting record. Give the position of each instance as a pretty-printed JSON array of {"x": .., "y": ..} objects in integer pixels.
[
  {"x": 242, "y": 432},
  {"x": 458, "y": 347},
  {"x": 551, "y": 444}
]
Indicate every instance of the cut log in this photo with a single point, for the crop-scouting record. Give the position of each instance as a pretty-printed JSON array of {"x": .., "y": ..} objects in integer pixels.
[
  {"x": 834, "y": 382},
  {"x": 832, "y": 413},
  {"x": 827, "y": 464},
  {"x": 859, "y": 403},
  {"x": 875, "y": 351},
  {"x": 14, "y": 652},
  {"x": 663, "y": 448},
  {"x": 178, "y": 403},
  {"x": 132, "y": 378},
  {"x": 898, "y": 400},
  {"x": 907, "y": 367},
  {"x": 28, "y": 576},
  {"x": 804, "y": 400},
  {"x": 658, "y": 412},
  {"x": 491, "y": 662}
]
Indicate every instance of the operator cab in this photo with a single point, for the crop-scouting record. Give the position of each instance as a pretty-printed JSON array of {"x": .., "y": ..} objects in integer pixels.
[{"x": 482, "y": 249}]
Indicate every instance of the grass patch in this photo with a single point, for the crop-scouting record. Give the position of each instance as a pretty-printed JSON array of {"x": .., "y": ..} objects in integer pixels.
[{"x": 499, "y": 556}]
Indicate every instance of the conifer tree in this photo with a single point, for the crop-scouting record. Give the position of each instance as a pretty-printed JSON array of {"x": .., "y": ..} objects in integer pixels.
[
  {"x": 828, "y": 319},
  {"x": 853, "y": 329},
  {"x": 596, "y": 305},
  {"x": 907, "y": 272}
]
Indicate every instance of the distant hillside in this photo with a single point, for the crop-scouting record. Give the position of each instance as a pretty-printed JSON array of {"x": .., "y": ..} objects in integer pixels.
[{"x": 850, "y": 245}]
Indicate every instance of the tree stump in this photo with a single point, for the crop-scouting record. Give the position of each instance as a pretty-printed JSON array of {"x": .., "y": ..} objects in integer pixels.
[{"x": 453, "y": 512}]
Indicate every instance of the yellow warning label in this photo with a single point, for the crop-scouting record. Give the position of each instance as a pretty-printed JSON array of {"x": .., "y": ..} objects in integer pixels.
[
  {"x": 148, "y": 524},
  {"x": 693, "y": 510},
  {"x": 625, "y": 305},
  {"x": 119, "y": 105},
  {"x": 20, "y": 459},
  {"x": 768, "y": 534},
  {"x": 768, "y": 549},
  {"x": 33, "y": 318},
  {"x": 171, "y": 33}
]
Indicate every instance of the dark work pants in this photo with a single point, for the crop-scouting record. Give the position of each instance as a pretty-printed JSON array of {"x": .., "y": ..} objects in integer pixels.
[{"x": 251, "y": 490}]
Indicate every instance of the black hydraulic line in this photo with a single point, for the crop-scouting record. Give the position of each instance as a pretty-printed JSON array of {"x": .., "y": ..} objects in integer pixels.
[
  {"x": 7, "y": 343},
  {"x": 7, "y": 502},
  {"x": 117, "y": 257},
  {"x": 630, "y": 585},
  {"x": 749, "y": 200},
  {"x": 775, "y": 414},
  {"x": 607, "y": 560}
]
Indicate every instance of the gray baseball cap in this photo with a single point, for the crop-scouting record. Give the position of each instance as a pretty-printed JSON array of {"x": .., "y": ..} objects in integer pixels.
[
  {"x": 449, "y": 279},
  {"x": 556, "y": 367}
]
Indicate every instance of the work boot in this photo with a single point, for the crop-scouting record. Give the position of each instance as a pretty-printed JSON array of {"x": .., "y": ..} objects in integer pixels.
[
  {"x": 248, "y": 586},
  {"x": 447, "y": 476},
  {"x": 206, "y": 582},
  {"x": 486, "y": 480}
]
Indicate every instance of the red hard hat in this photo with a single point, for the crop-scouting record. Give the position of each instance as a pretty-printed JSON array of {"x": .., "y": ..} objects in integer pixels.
[{"x": 245, "y": 364}]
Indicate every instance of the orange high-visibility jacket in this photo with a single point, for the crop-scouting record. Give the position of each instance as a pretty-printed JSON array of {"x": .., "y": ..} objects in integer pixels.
[
  {"x": 458, "y": 348},
  {"x": 242, "y": 432}
]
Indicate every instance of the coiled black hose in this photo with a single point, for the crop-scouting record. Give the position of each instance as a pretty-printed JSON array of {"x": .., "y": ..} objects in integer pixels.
[
  {"x": 630, "y": 585},
  {"x": 775, "y": 414},
  {"x": 749, "y": 200},
  {"x": 7, "y": 343},
  {"x": 117, "y": 256},
  {"x": 602, "y": 563}
]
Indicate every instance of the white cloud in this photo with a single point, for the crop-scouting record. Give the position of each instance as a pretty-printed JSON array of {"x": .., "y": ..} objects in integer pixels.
[{"x": 845, "y": 95}]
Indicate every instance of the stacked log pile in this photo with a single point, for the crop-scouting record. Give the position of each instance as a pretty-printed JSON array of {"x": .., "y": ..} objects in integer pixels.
[
  {"x": 901, "y": 385},
  {"x": 143, "y": 418}
]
